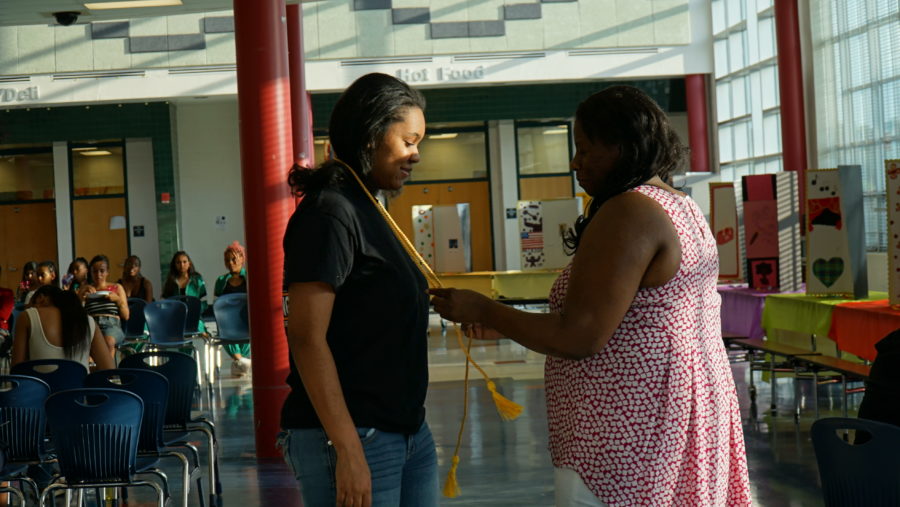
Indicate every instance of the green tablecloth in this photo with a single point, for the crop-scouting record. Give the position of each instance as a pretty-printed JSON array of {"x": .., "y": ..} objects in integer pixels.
[{"x": 804, "y": 314}]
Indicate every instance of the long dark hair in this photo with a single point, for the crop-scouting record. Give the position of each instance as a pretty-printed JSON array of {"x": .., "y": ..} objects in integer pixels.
[
  {"x": 626, "y": 117},
  {"x": 170, "y": 288},
  {"x": 73, "y": 318},
  {"x": 29, "y": 266},
  {"x": 359, "y": 121}
]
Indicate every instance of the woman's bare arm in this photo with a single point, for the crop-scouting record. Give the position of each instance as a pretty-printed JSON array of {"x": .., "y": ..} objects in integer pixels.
[
  {"x": 20, "y": 340},
  {"x": 630, "y": 235},
  {"x": 310, "y": 306}
]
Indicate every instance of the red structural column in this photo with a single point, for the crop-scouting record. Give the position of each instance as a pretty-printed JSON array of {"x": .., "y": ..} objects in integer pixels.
[
  {"x": 698, "y": 121},
  {"x": 266, "y": 156},
  {"x": 790, "y": 77},
  {"x": 301, "y": 107}
]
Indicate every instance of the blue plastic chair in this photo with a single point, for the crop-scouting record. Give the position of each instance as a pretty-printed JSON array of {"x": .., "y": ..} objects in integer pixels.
[
  {"x": 166, "y": 321},
  {"x": 194, "y": 307},
  {"x": 135, "y": 325},
  {"x": 96, "y": 432},
  {"x": 864, "y": 475},
  {"x": 153, "y": 389},
  {"x": 181, "y": 372},
  {"x": 232, "y": 323},
  {"x": 22, "y": 427},
  {"x": 59, "y": 374}
]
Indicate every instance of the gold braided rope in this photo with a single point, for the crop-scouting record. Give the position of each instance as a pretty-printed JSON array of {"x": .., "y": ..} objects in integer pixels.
[{"x": 507, "y": 409}]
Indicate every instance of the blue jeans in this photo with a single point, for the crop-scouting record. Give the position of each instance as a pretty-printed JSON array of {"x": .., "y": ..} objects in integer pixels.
[{"x": 403, "y": 467}]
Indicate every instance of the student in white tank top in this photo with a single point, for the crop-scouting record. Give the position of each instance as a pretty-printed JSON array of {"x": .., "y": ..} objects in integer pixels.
[{"x": 57, "y": 327}]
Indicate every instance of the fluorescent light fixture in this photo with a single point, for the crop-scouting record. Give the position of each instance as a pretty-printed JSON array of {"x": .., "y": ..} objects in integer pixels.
[
  {"x": 319, "y": 141},
  {"x": 451, "y": 135},
  {"x": 556, "y": 132},
  {"x": 95, "y": 153},
  {"x": 84, "y": 148},
  {"x": 132, "y": 4}
]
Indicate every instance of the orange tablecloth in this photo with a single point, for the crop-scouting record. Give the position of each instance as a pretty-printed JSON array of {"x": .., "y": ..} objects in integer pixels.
[{"x": 857, "y": 327}]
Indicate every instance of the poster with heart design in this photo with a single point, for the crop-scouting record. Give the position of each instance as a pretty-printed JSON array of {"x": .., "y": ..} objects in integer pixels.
[
  {"x": 771, "y": 232},
  {"x": 724, "y": 223},
  {"x": 835, "y": 233},
  {"x": 892, "y": 178}
]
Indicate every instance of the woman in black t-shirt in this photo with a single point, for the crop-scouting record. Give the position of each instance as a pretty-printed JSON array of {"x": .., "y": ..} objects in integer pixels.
[{"x": 358, "y": 314}]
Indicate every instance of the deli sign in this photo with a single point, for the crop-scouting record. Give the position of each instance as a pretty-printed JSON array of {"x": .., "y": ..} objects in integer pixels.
[{"x": 19, "y": 95}]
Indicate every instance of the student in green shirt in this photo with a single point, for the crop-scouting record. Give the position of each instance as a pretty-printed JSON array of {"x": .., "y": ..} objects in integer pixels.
[{"x": 234, "y": 281}]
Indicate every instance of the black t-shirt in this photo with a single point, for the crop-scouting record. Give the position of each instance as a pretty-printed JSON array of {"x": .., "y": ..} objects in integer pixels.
[{"x": 377, "y": 331}]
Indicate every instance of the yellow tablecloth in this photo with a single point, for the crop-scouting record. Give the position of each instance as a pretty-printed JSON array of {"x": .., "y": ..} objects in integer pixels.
[
  {"x": 534, "y": 284},
  {"x": 804, "y": 314}
]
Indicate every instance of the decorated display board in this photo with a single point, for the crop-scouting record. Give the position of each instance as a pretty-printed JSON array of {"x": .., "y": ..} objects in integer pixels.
[
  {"x": 441, "y": 234},
  {"x": 542, "y": 228},
  {"x": 892, "y": 175},
  {"x": 772, "y": 231},
  {"x": 724, "y": 223},
  {"x": 835, "y": 233}
]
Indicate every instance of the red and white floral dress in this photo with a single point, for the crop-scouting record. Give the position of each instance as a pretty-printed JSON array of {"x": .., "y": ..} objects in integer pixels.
[{"x": 653, "y": 418}]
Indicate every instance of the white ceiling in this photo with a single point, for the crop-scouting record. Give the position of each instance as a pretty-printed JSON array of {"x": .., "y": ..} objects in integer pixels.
[{"x": 40, "y": 12}]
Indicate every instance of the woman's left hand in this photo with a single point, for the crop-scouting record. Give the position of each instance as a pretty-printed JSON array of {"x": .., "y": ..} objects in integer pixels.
[
  {"x": 459, "y": 305},
  {"x": 113, "y": 296}
]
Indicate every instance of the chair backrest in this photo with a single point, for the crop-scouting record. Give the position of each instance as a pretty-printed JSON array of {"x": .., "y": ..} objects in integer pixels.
[
  {"x": 181, "y": 372},
  {"x": 59, "y": 374},
  {"x": 232, "y": 319},
  {"x": 22, "y": 419},
  {"x": 194, "y": 307},
  {"x": 166, "y": 320},
  {"x": 134, "y": 326},
  {"x": 95, "y": 433},
  {"x": 864, "y": 474},
  {"x": 151, "y": 387}
]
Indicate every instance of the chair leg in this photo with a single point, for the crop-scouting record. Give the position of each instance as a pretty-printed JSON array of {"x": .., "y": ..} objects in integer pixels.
[
  {"x": 49, "y": 489},
  {"x": 15, "y": 492},
  {"x": 185, "y": 475}
]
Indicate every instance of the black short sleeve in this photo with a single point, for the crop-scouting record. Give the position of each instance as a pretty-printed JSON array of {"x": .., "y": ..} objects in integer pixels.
[{"x": 318, "y": 247}]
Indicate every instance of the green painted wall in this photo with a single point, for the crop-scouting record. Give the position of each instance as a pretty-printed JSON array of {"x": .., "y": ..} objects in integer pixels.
[
  {"x": 516, "y": 102},
  {"x": 100, "y": 122}
]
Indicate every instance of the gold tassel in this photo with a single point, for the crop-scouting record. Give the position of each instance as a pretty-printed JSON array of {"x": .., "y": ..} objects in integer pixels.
[
  {"x": 451, "y": 486},
  {"x": 507, "y": 408}
]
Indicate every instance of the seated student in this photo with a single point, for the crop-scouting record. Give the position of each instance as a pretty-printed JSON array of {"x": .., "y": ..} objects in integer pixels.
[
  {"x": 46, "y": 275},
  {"x": 28, "y": 273},
  {"x": 184, "y": 280},
  {"x": 76, "y": 275},
  {"x": 105, "y": 302},
  {"x": 879, "y": 403},
  {"x": 235, "y": 281},
  {"x": 7, "y": 303},
  {"x": 134, "y": 283},
  {"x": 57, "y": 327}
]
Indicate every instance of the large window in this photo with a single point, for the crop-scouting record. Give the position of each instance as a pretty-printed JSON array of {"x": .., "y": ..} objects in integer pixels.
[
  {"x": 543, "y": 148},
  {"x": 26, "y": 173},
  {"x": 747, "y": 108},
  {"x": 857, "y": 94},
  {"x": 452, "y": 152}
]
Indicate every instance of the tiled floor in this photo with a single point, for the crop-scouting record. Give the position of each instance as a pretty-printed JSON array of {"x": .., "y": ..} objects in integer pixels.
[{"x": 506, "y": 463}]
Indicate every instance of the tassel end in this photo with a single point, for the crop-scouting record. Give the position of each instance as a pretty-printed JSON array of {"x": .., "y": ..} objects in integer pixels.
[
  {"x": 507, "y": 408},
  {"x": 451, "y": 487}
]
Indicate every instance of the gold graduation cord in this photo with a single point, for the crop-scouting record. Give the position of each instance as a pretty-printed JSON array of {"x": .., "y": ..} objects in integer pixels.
[{"x": 507, "y": 409}]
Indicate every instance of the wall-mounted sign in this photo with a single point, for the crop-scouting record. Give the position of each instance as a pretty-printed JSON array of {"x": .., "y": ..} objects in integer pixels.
[
  {"x": 19, "y": 94},
  {"x": 440, "y": 74}
]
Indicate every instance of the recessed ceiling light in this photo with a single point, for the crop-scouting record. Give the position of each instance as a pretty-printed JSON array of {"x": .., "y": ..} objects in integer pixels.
[
  {"x": 86, "y": 148},
  {"x": 96, "y": 153},
  {"x": 451, "y": 135},
  {"x": 555, "y": 132},
  {"x": 131, "y": 4}
]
